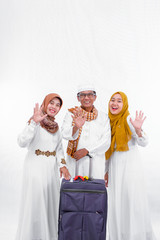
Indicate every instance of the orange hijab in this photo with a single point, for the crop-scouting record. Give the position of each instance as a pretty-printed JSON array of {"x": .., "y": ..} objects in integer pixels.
[
  {"x": 48, "y": 123},
  {"x": 120, "y": 131},
  {"x": 47, "y": 100}
]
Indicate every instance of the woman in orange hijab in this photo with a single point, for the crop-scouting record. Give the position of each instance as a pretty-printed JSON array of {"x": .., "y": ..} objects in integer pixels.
[
  {"x": 41, "y": 183},
  {"x": 128, "y": 215}
]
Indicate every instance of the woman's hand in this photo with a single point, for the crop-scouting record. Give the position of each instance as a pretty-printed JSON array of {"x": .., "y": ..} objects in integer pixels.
[
  {"x": 38, "y": 115},
  {"x": 138, "y": 122},
  {"x": 65, "y": 173},
  {"x": 106, "y": 179}
]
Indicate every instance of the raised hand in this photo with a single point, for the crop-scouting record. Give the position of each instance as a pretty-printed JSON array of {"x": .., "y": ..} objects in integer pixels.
[
  {"x": 138, "y": 122},
  {"x": 38, "y": 115},
  {"x": 78, "y": 117}
]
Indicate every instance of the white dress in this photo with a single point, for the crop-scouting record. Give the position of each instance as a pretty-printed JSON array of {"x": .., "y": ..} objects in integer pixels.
[
  {"x": 128, "y": 214},
  {"x": 96, "y": 138},
  {"x": 40, "y": 190}
]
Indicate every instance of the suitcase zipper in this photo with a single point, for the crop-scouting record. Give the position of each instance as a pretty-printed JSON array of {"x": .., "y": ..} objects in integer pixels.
[{"x": 83, "y": 190}]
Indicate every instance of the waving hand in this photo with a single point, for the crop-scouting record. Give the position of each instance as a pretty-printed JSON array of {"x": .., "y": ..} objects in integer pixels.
[
  {"x": 38, "y": 115},
  {"x": 138, "y": 122}
]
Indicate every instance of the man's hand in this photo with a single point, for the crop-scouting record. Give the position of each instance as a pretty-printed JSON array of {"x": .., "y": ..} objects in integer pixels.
[
  {"x": 79, "y": 119},
  {"x": 80, "y": 153}
]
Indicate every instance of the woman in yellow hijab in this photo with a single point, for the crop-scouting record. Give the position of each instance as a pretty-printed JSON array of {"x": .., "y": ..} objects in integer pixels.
[
  {"x": 128, "y": 215},
  {"x": 118, "y": 113}
]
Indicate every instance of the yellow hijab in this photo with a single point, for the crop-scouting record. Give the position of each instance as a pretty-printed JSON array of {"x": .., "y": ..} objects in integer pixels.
[{"x": 120, "y": 131}]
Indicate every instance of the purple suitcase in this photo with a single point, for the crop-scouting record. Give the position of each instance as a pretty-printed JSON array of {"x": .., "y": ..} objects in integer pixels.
[{"x": 83, "y": 210}]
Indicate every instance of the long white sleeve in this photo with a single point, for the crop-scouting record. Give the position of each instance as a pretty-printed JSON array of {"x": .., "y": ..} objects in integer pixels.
[
  {"x": 60, "y": 153},
  {"x": 27, "y": 134},
  {"x": 142, "y": 141},
  {"x": 67, "y": 128},
  {"x": 106, "y": 165},
  {"x": 102, "y": 145}
]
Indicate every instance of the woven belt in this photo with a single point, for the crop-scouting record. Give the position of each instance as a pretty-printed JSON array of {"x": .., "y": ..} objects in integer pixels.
[{"x": 47, "y": 153}]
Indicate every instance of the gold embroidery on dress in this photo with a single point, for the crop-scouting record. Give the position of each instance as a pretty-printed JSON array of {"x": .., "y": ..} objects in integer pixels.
[
  {"x": 47, "y": 153},
  {"x": 63, "y": 161}
]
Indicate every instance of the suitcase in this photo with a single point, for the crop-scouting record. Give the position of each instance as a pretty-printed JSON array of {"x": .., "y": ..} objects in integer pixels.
[{"x": 83, "y": 210}]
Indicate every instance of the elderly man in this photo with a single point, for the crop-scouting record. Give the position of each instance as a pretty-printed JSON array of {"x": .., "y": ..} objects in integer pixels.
[{"x": 88, "y": 133}]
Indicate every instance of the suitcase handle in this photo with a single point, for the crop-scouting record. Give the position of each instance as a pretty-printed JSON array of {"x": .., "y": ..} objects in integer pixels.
[{"x": 90, "y": 167}]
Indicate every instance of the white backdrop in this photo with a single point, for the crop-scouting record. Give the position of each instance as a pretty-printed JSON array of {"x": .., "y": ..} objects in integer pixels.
[{"x": 54, "y": 45}]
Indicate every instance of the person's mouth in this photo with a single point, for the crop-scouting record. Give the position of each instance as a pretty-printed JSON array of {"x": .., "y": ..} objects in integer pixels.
[
  {"x": 52, "y": 110},
  {"x": 114, "y": 108}
]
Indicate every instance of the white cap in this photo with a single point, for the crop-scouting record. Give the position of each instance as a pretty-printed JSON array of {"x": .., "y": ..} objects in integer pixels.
[{"x": 86, "y": 87}]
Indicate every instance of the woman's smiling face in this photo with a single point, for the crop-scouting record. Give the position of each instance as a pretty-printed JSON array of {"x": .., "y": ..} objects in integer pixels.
[
  {"x": 116, "y": 104},
  {"x": 53, "y": 107}
]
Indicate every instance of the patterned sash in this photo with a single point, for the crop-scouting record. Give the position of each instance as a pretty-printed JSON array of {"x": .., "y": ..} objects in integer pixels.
[{"x": 72, "y": 144}]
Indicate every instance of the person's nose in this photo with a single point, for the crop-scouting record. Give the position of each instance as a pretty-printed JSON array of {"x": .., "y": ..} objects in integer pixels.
[
  {"x": 86, "y": 96},
  {"x": 114, "y": 105},
  {"x": 54, "y": 106}
]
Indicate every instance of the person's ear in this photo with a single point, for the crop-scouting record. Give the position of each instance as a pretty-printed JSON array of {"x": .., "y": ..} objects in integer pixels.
[
  {"x": 78, "y": 99},
  {"x": 95, "y": 97}
]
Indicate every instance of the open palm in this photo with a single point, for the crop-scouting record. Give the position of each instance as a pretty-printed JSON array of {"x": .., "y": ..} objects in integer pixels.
[
  {"x": 138, "y": 121},
  {"x": 79, "y": 118},
  {"x": 38, "y": 115}
]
